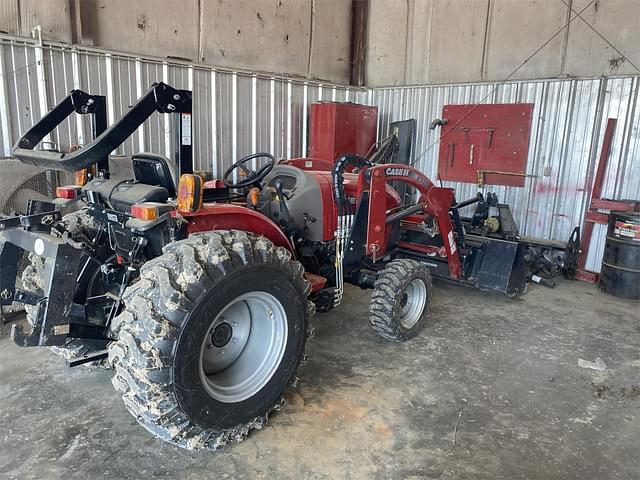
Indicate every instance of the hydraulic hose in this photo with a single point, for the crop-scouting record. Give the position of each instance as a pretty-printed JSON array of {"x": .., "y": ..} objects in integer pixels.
[{"x": 337, "y": 175}]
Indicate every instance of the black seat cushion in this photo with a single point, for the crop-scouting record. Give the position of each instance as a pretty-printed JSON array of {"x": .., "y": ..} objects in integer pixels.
[
  {"x": 127, "y": 194},
  {"x": 121, "y": 195},
  {"x": 153, "y": 169}
]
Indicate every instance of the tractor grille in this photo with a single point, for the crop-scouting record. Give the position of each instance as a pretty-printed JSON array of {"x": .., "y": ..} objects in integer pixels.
[{"x": 20, "y": 183}]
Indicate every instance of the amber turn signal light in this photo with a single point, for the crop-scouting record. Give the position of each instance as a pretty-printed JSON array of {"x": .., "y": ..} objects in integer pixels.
[
  {"x": 144, "y": 211},
  {"x": 253, "y": 196},
  {"x": 190, "y": 193},
  {"x": 82, "y": 176}
]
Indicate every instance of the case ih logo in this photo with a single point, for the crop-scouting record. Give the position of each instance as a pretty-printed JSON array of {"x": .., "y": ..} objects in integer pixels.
[
  {"x": 407, "y": 172},
  {"x": 398, "y": 172}
]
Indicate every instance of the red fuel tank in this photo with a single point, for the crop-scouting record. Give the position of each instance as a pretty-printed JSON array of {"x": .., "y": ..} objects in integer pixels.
[{"x": 339, "y": 128}]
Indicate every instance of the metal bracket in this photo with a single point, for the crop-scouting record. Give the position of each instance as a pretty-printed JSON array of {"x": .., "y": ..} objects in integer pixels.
[
  {"x": 90, "y": 357},
  {"x": 29, "y": 298}
]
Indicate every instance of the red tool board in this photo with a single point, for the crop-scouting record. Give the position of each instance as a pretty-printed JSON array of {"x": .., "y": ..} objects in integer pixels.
[
  {"x": 485, "y": 143},
  {"x": 339, "y": 128}
]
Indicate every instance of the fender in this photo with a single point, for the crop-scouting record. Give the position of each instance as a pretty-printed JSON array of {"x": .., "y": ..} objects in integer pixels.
[
  {"x": 225, "y": 216},
  {"x": 309, "y": 163}
]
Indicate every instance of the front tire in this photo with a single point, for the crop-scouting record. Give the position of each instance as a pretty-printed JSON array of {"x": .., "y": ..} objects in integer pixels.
[
  {"x": 177, "y": 366},
  {"x": 400, "y": 300}
]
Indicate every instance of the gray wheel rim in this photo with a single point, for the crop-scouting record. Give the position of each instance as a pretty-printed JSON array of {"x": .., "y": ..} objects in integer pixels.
[
  {"x": 243, "y": 347},
  {"x": 413, "y": 303}
]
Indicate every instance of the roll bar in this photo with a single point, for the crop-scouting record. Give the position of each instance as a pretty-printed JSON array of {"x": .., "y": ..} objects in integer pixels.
[{"x": 160, "y": 97}]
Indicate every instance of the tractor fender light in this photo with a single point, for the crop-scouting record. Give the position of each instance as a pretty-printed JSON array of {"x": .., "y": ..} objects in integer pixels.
[
  {"x": 69, "y": 192},
  {"x": 190, "y": 193},
  {"x": 145, "y": 211}
]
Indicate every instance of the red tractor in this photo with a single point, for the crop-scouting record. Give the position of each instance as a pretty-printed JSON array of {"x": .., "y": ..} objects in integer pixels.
[{"x": 197, "y": 292}]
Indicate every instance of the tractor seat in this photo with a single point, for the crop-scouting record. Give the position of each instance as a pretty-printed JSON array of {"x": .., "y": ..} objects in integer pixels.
[{"x": 153, "y": 169}]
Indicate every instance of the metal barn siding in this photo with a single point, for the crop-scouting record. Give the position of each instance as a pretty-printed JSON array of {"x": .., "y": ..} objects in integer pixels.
[
  {"x": 566, "y": 137},
  {"x": 235, "y": 113}
]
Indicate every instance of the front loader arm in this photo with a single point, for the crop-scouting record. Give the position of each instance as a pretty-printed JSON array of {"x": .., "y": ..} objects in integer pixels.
[{"x": 435, "y": 201}]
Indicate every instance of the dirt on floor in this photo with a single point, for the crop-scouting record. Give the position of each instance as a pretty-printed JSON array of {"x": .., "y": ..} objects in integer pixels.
[{"x": 492, "y": 388}]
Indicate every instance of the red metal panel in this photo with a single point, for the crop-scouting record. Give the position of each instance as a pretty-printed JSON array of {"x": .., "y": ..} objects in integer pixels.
[
  {"x": 596, "y": 190},
  {"x": 620, "y": 205},
  {"x": 604, "y": 157},
  {"x": 339, "y": 128},
  {"x": 595, "y": 217},
  {"x": 487, "y": 140}
]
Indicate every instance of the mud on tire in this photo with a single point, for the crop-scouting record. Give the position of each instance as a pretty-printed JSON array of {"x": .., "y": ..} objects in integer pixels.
[
  {"x": 168, "y": 312},
  {"x": 400, "y": 299}
]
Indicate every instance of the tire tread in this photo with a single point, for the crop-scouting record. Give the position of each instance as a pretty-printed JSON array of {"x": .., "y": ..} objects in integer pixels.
[
  {"x": 390, "y": 284},
  {"x": 149, "y": 327}
]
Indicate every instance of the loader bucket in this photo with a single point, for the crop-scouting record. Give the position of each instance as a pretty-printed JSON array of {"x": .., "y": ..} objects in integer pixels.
[{"x": 500, "y": 267}]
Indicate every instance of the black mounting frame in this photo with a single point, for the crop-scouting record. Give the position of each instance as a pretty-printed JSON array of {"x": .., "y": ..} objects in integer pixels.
[
  {"x": 160, "y": 98},
  {"x": 76, "y": 102},
  {"x": 62, "y": 262}
]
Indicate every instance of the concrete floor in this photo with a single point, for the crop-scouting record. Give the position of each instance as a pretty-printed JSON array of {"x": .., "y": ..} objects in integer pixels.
[{"x": 505, "y": 370}]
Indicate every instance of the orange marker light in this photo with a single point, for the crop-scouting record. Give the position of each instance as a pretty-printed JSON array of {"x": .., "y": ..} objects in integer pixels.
[
  {"x": 190, "y": 193},
  {"x": 253, "y": 196},
  {"x": 82, "y": 176},
  {"x": 144, "y": 211}
]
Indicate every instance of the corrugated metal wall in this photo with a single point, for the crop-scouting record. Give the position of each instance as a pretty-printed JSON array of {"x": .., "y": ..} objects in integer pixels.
[
  {"x": 566, "y": 138},
  {"x": 237, "y": 113}
]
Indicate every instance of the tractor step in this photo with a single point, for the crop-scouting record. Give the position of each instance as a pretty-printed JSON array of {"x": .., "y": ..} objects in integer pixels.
[{"x": 317, "y": 282}]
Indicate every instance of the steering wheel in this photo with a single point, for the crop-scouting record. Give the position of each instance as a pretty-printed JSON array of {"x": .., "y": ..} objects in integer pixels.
[{"x": 251, "y": 177}]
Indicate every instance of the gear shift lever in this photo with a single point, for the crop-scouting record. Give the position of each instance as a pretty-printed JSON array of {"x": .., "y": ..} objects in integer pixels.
[{"x": 285, "y": 217}]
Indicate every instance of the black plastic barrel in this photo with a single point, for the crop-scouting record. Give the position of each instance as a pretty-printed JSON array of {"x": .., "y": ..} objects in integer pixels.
[{"x": 620, "y": 273}]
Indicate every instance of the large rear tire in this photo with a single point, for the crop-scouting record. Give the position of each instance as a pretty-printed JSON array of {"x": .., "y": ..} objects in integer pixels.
[{"x": 211, "y": 334}]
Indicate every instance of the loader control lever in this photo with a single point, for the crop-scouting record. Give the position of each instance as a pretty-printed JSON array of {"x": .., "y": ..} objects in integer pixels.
[{"x": 284, "y": 217}]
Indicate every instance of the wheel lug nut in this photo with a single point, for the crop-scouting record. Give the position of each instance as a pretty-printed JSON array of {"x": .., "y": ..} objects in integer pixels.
[
  {"x": 270, "y": 313},
  {"x": 235, "y": 324},
  {"x": 234, "y": 340}
]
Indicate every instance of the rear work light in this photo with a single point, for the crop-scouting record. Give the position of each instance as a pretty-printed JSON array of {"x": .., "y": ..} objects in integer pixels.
[
  {"x": 68, "y": 192},
  {"x": 145, "y": 211},
  {"x": 150, "y": 210},
  {"x": 190, "y": 193}
]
